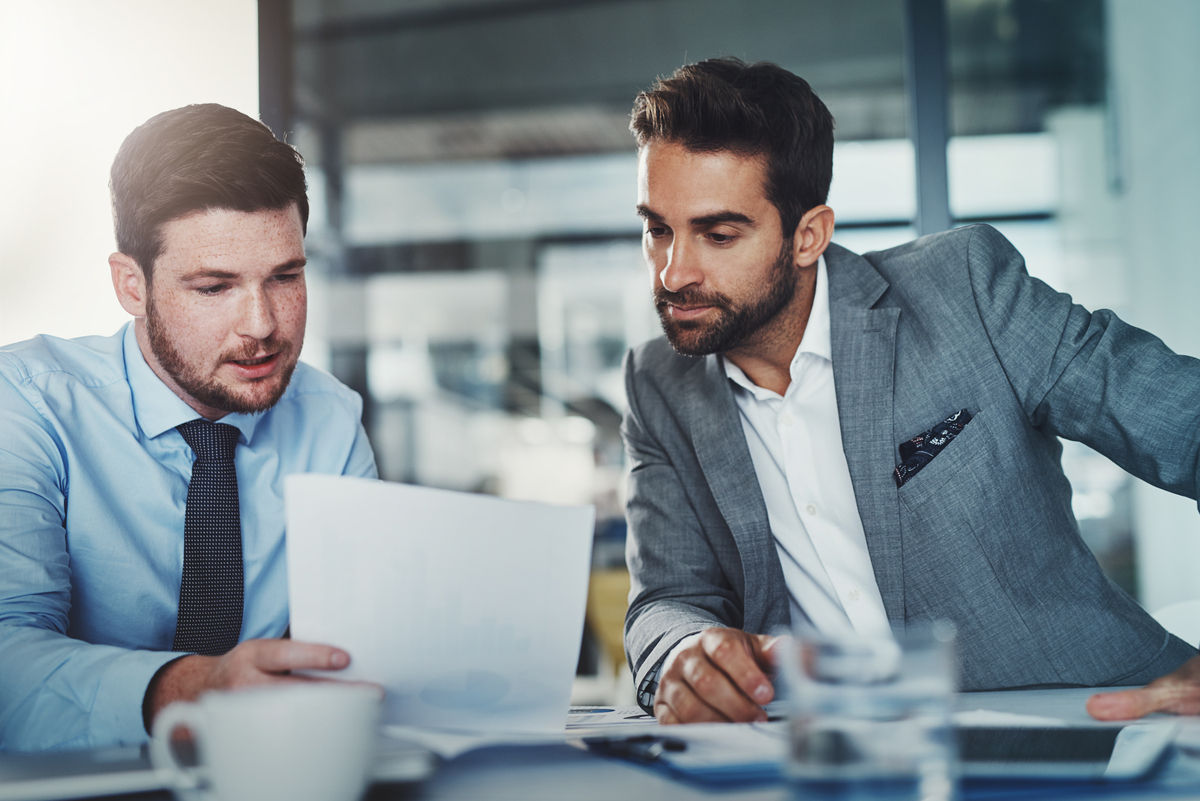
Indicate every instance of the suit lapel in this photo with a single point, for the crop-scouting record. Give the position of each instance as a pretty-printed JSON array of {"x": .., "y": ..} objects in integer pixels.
[
  {"x": 864, "y": 356},
  {"x": 725, "y": 460}
]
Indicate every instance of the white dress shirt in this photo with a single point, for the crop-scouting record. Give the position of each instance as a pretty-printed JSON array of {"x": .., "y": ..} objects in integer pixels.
[{"x": 796, "y": 445}]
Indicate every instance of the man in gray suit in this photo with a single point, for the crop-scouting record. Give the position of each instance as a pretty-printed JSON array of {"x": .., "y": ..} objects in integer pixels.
[{"x": 859, "y": 442}]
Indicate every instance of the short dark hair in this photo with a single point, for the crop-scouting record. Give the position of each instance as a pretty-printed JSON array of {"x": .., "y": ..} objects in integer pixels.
[
  {"x": 751, "y": 109},
  {"x": 203, "y": 156}
]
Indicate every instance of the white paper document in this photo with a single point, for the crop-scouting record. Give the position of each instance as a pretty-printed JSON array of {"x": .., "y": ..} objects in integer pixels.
[
  {"x": 990, "y": 717},
  {"x": 468, "y": 609}
]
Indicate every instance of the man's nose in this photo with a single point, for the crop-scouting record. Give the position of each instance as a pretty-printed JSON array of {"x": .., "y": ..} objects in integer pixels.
[
  {"x": 680, "y": 269},
  {"x": 257, "y": 319}
]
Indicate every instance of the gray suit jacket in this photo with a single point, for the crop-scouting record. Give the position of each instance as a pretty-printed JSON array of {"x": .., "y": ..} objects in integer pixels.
[{"x": 984, "y": 534}]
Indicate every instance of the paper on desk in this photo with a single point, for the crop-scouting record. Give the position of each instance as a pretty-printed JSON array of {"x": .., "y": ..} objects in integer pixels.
[
  {"x": 991, "y": 717},
  {"x": 621, "y": 717},
  {"x": 449, "y": 744},
  {"x": 467, "y": 608},
  {"x": 581, "y": 722}
]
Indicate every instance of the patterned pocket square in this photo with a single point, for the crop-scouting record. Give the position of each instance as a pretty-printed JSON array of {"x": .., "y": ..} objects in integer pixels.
[{"x": 920, "y": 450}]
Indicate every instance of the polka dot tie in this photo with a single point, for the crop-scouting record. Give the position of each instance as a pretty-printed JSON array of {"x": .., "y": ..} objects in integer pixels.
[{"x": 210, "y": 594}]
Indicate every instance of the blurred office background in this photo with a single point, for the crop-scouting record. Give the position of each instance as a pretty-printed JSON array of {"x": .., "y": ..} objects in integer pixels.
[{"x": 475, "y": 260}]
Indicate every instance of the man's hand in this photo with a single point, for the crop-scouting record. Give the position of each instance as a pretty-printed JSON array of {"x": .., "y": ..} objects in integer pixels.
[
  {"x": 722, "y": 676},
  {"x": 249, "y": 663},
  {"x": 1177, "y": 692}
]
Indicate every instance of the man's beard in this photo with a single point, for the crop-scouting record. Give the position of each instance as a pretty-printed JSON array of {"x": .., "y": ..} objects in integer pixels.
[
  {"x": 209, "y": 391},
  {"x": 733, "y": 326}
]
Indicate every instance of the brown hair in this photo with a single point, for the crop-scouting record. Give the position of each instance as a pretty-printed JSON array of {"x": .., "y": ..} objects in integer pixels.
[
  {"x": 751, "y": 109},
  {"x": 194, "y": 158}
]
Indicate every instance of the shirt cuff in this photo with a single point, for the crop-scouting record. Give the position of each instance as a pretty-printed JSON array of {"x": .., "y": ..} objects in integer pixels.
[
  {"x": 648, "y": 687},
  {"x": 118, "y": 707}
]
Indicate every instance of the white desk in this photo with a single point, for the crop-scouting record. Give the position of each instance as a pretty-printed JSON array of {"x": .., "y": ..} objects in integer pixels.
[
  {"x": 543, "y": 773},
  {"x": 560, "y": 771}
]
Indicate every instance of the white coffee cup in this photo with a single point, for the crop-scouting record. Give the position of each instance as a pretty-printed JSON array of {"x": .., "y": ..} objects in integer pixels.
[{"x": 285, "y": 742}]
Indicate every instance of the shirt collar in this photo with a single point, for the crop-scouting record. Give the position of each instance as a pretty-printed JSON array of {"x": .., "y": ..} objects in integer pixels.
[
  {"x": 817, "y": 339},
  {"x": 156, "y": 406}
]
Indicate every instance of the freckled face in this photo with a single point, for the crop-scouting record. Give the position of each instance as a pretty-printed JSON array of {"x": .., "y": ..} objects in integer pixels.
[
  {"x": 721, "y": 268},
  {"x": 226, "y": 308}
]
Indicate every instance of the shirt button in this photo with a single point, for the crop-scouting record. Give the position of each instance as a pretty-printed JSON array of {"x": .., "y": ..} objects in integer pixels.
[
  {"x": 811, "y": 509},
  {"x": 854, "y": 594},
  {"x": 785, "y": 418}
]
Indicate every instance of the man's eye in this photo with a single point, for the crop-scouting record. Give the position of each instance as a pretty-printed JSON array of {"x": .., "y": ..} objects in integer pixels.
[
  {"x": 720, "y": 239},
  {"x": 215, "y": 289},
  {"x": 286, "y": 278},
  {"x": 656, "y": 231}
]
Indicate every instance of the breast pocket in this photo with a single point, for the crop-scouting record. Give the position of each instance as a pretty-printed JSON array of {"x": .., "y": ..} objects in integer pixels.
[{"x": 966, "y": 461}]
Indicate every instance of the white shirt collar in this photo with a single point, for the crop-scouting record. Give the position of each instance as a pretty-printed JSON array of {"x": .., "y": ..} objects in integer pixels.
[{"x": 817, "y": 339}]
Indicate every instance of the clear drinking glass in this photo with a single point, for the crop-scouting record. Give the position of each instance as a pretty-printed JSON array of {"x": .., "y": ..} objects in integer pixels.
[{"x": 870, "y": 717}]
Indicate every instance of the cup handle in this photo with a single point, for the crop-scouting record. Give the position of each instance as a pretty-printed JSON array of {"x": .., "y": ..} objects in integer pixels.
[{"x": 162, "y": 757}]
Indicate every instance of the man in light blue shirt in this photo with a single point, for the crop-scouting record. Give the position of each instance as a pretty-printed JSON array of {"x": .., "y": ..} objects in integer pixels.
[{"x": 210, "y": 214}]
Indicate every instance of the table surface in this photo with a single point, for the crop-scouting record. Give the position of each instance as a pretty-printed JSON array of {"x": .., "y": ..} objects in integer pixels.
[
  {"x": 561, "y": 770},
  {"x": 556, "y": 772}
]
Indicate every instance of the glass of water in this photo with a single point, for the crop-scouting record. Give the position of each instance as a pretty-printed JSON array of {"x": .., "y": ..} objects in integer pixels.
[{"x": 870, "y": 716}]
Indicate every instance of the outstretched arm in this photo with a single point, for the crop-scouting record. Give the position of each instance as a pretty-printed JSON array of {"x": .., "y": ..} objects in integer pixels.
[{"x": 1091, "y": 377}]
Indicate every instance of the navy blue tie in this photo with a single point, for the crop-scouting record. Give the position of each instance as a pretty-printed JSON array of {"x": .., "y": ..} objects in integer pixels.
[{"x": 210, "y": 594}]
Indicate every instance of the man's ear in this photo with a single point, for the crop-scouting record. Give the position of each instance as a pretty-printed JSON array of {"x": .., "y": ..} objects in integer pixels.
[
  {"x": 130, "y": 284},
  {"x": 812, "y": 235}
]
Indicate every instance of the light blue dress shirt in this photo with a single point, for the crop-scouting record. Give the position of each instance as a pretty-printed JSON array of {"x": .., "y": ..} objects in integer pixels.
[{"x": 93, "y": 485}]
